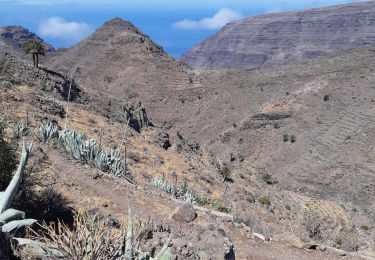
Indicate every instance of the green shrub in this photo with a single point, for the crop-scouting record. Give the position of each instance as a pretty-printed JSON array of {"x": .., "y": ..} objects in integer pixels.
[
  {"x": 202, "y": 200},
  {"x": 293, "y": 138},
  {"x": 225, "y": 172},
  {"x": 285, "y": 138},
  {"x": 365, "y": 227},
  {"x": 276, "y": 125},
  {"x": 264, "y": 200},
  {"x": 218, "y": 205}
]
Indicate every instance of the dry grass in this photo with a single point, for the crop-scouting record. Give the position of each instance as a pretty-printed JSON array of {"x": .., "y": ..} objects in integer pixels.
[{"x": 89, "y": 238}]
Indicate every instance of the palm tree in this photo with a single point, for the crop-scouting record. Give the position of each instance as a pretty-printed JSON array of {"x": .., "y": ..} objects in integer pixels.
[{"x": 36, "y": 48}]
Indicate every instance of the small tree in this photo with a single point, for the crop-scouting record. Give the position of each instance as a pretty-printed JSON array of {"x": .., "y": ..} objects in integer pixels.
[{"x": 35, "y": 48}]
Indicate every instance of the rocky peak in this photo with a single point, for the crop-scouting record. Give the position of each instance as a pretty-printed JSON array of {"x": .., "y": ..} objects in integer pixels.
[{"x": 120, "y": 24}]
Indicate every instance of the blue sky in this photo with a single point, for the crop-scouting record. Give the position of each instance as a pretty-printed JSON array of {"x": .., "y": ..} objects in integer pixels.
[{"x": 176, "y": 25}]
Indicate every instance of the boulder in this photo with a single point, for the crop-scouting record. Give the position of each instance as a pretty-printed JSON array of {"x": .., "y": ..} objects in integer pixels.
[{"x": 184, "y": 213}]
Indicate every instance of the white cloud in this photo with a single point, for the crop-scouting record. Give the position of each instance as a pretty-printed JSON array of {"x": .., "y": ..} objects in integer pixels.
[
  {"x": 217, "y": 21},
  {"x": 58, "y": 28}
]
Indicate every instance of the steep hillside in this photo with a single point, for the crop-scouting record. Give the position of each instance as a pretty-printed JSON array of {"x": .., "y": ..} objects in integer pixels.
[
  {"x": 118, "y": 61},
  {"x": 278, "y": 163},
  {"x": 275, "y": 39},
  {"x": 12, "y": 39},
  {"x": 254, "y": 195},
  {"x": 306, "y": 129}
]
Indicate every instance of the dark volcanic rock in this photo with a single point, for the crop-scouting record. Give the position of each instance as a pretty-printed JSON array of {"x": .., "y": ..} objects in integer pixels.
[
  {"x": 15, "y": 71},
  {"x": 131, "y": 112},
  {"x": 136, "y": 115},
  {"x": 280, "y": 38},
  {"x": 162, "y": 140}
]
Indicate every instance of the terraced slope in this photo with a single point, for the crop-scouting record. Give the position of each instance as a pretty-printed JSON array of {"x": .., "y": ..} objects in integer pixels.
[
  {"x": 119, "y": 62},
  {"x": 327, "y": 104},
  {"x": 280, "y": 38}
]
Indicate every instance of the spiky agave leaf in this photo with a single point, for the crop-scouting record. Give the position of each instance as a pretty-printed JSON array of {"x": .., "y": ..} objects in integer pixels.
[
  {"x": 11, "y": 190},
  {"x": 48, "y": 131},
  {"x": 166, "y": 253},
  {"x": 14, "y": 225},
  {"x": 83, "y": 149},
  {"x": 10, "y": 215}
]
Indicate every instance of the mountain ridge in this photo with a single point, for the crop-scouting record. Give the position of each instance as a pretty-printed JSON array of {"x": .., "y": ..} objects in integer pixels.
[
  {"x": 276, "y": 39},
  {"x": 12, "y": 39}
]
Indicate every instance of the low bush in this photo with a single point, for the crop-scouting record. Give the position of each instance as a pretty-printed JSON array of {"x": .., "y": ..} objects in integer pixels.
[
  {"x": 264, "y": 200},
  {"x": 365, "y": 227},
  {"x": 225, "y": 172}
]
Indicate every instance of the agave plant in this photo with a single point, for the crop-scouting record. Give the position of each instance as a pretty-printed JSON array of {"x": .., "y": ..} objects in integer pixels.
[
  {"x": 84, "y": 149},
  {"x": 48, "y": 131},
  {"x": 183, "y": 194},
  {"x": 90, "y": 239},
  {"x": 10, "y": 219},
  {"x": 20, "y": 129}
]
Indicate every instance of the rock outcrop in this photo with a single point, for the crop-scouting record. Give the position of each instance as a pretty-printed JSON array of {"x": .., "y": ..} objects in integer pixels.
[
  {"x": 15, "y": 71},
  {"x": 276, "y": 39}
]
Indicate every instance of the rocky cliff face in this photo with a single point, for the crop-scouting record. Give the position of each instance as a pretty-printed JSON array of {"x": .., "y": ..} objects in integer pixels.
[
  {"x": 12, "y": 39},
  {"x": 276, "y": 39}
]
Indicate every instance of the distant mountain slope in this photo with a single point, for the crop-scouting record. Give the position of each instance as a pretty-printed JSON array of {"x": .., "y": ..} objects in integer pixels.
[
  {"x": 12, "y": 39},
  {"x": 118, "y": 61},
  {"x": 280, "y": 38}
]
